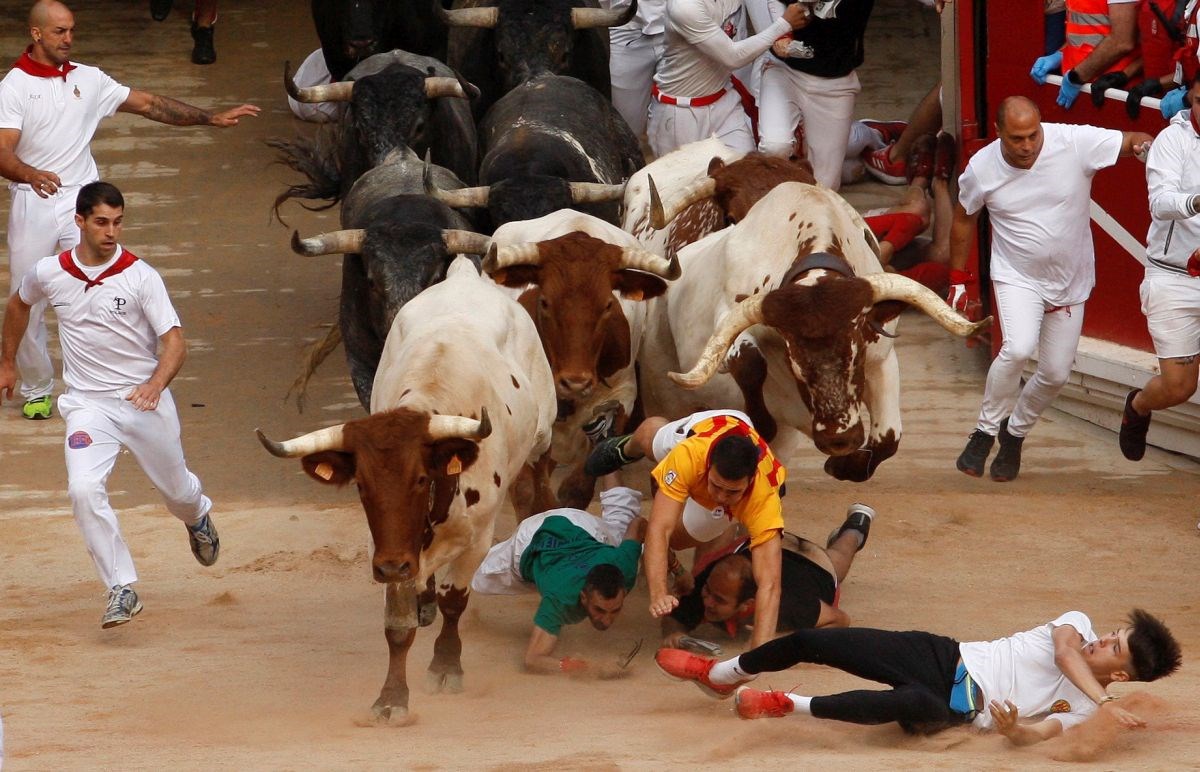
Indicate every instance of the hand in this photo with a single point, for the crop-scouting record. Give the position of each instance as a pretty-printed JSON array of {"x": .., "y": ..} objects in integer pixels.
[
  {"x": 1005, "y": 717},
  {"x": 1147, "y": 88},
  {"x": 8, "y": 379},
  {"x": 1104, "y": 83},
  {"x": 780, "y": 46},
  {"x": 662, "y": 605},
  {"x": 1068, "y": 92},
  {"x": 44, "y": 183},
  {"x": 1123, "y": 717},
  {"x": 1044, "y": 65},
  {"x": 230, "y": 117},
  {"x": 145, "y": 396},
  {"x": 1173, "y": 102},
  {"x": 1141, "y": 150},
  {"x": 797, "y": 15},
  {"x": 958, "y": 298}
]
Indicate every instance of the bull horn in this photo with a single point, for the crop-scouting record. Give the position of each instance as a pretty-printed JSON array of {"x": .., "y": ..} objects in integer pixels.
[
  {"x": 329, "y": 438},
  {"x": 465, "y": 242},
  {"x": 485, "y": 18},
  {"x": 893, "y": 286},
  {"x": 445, "y": 427},
  {"x": 444, "y": 87},
  {"x": 332, "y": 243},
  {"x": 330, "y": 92},
  {"x": 643, "y": 260},
  {"x": 584, "y": 18},
  {"x": 525, "y": 253},
  {"x": 455, "y": 199},
  {"x": 660, "y": 217},
  {"x": 595, "y": 192},
  {"x": 745, "y": 314}
]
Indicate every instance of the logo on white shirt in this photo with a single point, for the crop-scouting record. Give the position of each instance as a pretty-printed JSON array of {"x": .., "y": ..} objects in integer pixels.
[
  {"x": 119, "y": 306},
  {"x": 77, "y": 94}
]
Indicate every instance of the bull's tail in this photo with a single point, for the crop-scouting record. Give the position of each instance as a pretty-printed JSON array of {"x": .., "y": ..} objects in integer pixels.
[
  {"x": 317, "y": 353},
  {"x": 316, "y": 158}
]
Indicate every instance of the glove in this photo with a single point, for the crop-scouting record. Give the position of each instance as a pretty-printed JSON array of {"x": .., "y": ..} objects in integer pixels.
[
  {"x": 1104, "y": 83},
  {"x": 958, "y": 298},
  {"x": 1173, "y": 102},
  {"x": 1069, "y": 90},
  {"x": 1044, "y": 65},
  {"x": 1147, "y": 88}
]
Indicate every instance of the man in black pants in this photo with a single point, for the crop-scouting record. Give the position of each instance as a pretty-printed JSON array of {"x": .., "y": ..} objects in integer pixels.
[{"x": 1056, "y": 674}]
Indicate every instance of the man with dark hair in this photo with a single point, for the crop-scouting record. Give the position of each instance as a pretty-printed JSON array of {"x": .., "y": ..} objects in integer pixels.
[
  {"x": 49, "y": 110},
  {"x": 1056, "y": 674},
  {"x": 121, "y": 345},
  {"x": 581, "y": 565},
  {"x": 713, "y": 472}
]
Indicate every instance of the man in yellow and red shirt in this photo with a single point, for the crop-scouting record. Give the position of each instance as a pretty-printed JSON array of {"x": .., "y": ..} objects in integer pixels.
[{"x": 713, "y": 470}]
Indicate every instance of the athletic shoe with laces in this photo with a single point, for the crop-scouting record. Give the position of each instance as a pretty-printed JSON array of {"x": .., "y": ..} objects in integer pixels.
[
  {"x": 880, "y": 167},
  {"x": 889, "y": 130},
  {"x": 974, "y": 456},
  {"x": 858, "y": 518},
  {"x": 603, "y": 419},
  {"x": 206, "y": 545},
  {"x": 203, "y": 52},
  {"x": 1134, "y": 428},
  {"x": 608, "y": 456},
  {"x": 37, "y": 409},
  {"x": 123, "y": 605},
  {"x": 1007, "y": 465},
  {"x": 755, "y": 703},
  {"x": 685, "y": 666}
]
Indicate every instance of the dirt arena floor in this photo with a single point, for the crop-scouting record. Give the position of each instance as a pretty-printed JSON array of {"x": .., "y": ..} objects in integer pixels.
[{"x": 271, "y": 659}]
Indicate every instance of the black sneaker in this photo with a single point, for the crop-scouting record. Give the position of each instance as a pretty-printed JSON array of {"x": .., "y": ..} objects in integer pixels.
[
  {"x": 604, "y": 417},
  {"x": 206, "y": 545},
  {"x": 1008, "y": 459},
  {"x": 203, "y": 52},
  {"x": 1132, "y": 436},
  {"x": 974, "y": 456},
  {"x": 858, "y": 518},
  {"x": 160, "y": 9},
  {"x": 608, "y": 456}
]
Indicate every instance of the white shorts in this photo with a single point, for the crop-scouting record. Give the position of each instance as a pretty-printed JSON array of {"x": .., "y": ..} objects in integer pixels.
[{"x": 1171, "y": 304}]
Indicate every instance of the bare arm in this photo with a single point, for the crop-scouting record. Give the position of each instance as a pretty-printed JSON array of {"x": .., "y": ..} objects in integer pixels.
[
  {"x": 172, "y": 352},
  {"x": 175, "y": 113},
  {"x": 1135, "y": 143},
  {"x": 1119, "y": 42},
  {"x": 1068, "y": 657},
  {"x": 962, "y": 230},
  {"x": 16, "y": 319},
  {"x": 13, "y": 168},
  {"x": 766, "y": 564},
  {"x": 664, "y": 517},
  {"x": 1009, "y": 725},
  {"x": 538, "y": 655}
]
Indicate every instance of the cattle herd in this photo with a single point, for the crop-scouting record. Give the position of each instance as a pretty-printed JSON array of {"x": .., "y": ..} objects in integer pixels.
[{"x": 512, "y": 268}]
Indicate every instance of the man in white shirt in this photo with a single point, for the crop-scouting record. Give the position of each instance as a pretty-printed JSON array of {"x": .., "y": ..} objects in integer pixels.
[
  {"x": 1171, "y": 289},
  {"x": 122, "y": 345},
  {"x": 49, "y": 110},
  {"x": 1036, "y": 182},
  {"x": 693, "y": 96},
  {"x": 1056, "y": 674}
]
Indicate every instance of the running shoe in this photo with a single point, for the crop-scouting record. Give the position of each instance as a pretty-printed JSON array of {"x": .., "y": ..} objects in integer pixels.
[
  {"x": 37, "y": 409},
  {"x": 754, "y": 703},
  {"x": 1007, "y": 465},
  {"x": 206, "y": 545},
  {"x": 882, "y": 168},
  {"x": 123, "y": 605},
  {"x": 975, "y": 454},
  {"x": 1134, "y": 428},
  {"x": 685, "y": 666},
  {"x": 858, "y": 518}
]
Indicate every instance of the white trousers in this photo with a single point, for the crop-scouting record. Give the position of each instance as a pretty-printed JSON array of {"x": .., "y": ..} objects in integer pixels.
[
  {"x": 1028, "y": 326},
  {"x": 672, "y": 126},
  {"x": 500, "y": 571},
  {"x": 38, "y": 227},
  {"x": 631, "y": 62},
  {"x": 97, "y": 429},
  {"x": 824, "y": 104}
]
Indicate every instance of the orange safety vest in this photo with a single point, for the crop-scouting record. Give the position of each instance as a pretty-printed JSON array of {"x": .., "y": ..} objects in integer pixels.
[{"x": 1087, "y": 25}]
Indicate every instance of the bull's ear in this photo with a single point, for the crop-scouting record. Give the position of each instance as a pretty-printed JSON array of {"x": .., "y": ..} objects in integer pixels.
[
  {"x": 716, "y": 164},
  {"x": 453, "y": 456},
  {"x": 614, "y": 351},
  {"x": 516, "y": 276},
  {"x": 887, "y": 310},
  {"x": 330, "y": 467},
  {"x": 638, "y": 285}
]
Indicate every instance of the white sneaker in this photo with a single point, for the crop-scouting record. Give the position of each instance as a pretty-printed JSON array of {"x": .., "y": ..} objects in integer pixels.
[{"x": 123, "y": 605}]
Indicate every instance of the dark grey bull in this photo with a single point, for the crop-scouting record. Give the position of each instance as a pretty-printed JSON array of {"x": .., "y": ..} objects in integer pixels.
[{"x": 352, "y": 30}]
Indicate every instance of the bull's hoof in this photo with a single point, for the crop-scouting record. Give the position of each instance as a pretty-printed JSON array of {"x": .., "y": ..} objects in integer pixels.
[
  {"x": 450, "y": 683},
  {"x": 855, "y": 467},
  {"x": 385, "y": 714},
  {"x": 426, "y": 613}
]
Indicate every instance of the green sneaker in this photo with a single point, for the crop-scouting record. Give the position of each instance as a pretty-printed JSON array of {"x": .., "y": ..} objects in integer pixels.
[{"x": 37, "y": 409}]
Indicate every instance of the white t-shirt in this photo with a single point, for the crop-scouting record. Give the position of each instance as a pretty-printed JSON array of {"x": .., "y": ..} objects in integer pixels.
[
  {"x": 109, "y": 333},
  {"x": 57, "y": 118},
  {"x": 687, "y": 71},
  {"x": 649, "y": 18},
  {"x": 1021, "y": 669},
  {"x": 1041, "y": 217}
]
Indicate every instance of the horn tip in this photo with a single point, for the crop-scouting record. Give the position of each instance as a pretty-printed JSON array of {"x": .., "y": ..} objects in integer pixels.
[
  {"x": 298, "y": 243},
  {"x": 485, "y": 423},
  {"x": 274, "y": 448},
  {"x": 686, "y": 380}
]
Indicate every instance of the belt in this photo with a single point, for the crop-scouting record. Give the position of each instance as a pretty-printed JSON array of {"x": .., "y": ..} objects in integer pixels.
[
  {"x": 700, "y": 101},
  {"x": 966, "y": 698}
]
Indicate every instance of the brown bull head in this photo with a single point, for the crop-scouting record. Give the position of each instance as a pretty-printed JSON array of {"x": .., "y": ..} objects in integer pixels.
[
  {"x": 733, "y": 187},
  {"x": 405, "y": 464}
]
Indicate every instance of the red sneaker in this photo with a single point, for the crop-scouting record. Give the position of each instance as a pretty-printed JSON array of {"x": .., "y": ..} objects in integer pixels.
[
  {"x": 885, "y": 170},
  {"x": 685, "y": 666},
  {"x": 889, "y": 130},
  {"x": 752, "y": 703}
]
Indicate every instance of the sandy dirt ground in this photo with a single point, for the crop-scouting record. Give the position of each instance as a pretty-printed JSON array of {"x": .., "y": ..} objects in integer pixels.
[{"x": 271, "y": 659}]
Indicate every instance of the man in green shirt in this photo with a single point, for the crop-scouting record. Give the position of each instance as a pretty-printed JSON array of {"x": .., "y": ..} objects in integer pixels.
[{"x": 581, "y": 565}]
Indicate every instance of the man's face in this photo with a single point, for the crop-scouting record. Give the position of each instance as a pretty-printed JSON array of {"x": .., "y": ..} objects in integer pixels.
[
  {"x": 720, "y": 596},
  {"x": 1021, "y": 138},
  {"x": 600, "y": 610},
  {"x": 724, "y": 491},
  {"x": 53, "y": 40},
  {"x": 1109, "y": 656},
  {"x": 101, "y": 229}
]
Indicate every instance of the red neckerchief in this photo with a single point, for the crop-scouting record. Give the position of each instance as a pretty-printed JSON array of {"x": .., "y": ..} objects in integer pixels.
[
  {"x": 38, "y": 70},
  {"x": 126, "y": 259}
]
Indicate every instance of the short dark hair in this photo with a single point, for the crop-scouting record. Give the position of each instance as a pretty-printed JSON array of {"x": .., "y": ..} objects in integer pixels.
[
  {"x": 99, "y": 192},
  {"x": 743, "y": 569},
  {"x": 1154, "y": 651},
  {"x": 735, "y": 456},
  {"x": 606, "y": 579}
]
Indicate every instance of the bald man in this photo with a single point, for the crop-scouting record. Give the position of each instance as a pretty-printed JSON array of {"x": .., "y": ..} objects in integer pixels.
[
  {"x": 49, "y": 110},
  {"x": 1035, "y": 180}
]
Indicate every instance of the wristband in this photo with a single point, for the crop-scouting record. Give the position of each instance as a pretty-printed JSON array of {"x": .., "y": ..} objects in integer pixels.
[
  {"x": 958, "y": 276},
  {"x": 569, "y": 665}
]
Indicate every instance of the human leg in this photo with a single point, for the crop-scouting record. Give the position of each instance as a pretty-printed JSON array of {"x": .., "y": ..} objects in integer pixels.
[
  {"x": 33, "y": 233},
  {"x": 1057, "y": 344},
  {"x": 888, "y": 164},
  {"x": 1021, "y": 311},
  {"x": 153, "y": 437},
  {"x": 848, "y": 539},
  {"x": 778, "y": 110},
  {"x": 827, "y": 105},
  {"x": 612, "y": 453},
  {"x": 204, "y": 19}
]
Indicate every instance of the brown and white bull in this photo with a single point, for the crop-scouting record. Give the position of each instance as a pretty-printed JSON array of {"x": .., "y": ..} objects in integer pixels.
[
  {"x": 463, "y": 402},
  {"x": 583, "y": 281},
  {"x": 791, "y": 302}
]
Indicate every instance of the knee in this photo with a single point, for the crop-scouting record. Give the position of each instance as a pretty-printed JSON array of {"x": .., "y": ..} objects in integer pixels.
[
  {"x": 783, "y": 149},
  {"x": 1017, "y": 351},
  {"x": 85, "y": 490},
  {"x": 1179, "y": 392}
]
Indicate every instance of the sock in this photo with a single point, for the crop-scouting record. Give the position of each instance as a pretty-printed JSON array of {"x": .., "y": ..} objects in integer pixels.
[
  {"x": 728, "y": 672},
  {"x": 800, "y": 703}
]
